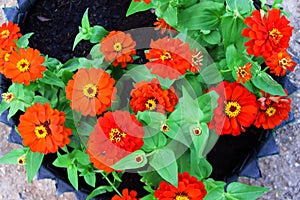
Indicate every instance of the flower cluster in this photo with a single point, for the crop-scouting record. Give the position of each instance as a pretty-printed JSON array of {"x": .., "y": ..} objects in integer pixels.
[{"x": 107, "y": 115}]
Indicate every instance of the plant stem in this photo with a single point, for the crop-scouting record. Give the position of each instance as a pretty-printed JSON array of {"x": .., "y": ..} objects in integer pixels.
[
  {"x": 110, "y": 183},
  {"x": 265, "y": 69},
  {"x": 228, "y": 196}
]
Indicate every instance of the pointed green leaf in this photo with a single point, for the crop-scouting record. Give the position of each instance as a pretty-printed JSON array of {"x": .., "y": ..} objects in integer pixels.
[
  {"x": 72, "y": 175},
  {"x": 135, "y": 7},
  {"x": 23, "y": 41},
  {"x": 164, "y": 162},
  {"x": 85, "y": 23},
  {"x": 98, "y": 33},
  {"x": 134, "y": 160},
  {"x": 33, "y": 163},
  {"x": 12, "y": 156},
  {"x": 90, "y": 178},
  {"x": 245, "y": 192}
]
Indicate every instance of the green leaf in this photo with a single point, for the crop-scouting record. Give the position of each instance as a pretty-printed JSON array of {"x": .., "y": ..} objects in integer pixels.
[
  {"x": 63, "y": 160},
  {"x": 85, "y": 23},
  {"x": 23, "y": 41},
  {"x": 33, "y": 163},
  {"x": 90, "y": 178},
  {"x": 213, "y": 37},
  {"x": 266, "y": 83},
  {"x": 4, "y": 106},
  {"x": 96, "y": 53},
  {"x": 202, "y": 168},
  {"x": 134, "y": 160},
  {"x": 210, "y": 75},
  {"x": 231, "y": 31},
  {"x": 151, "y": 177},
  {"x": 99, "y": 190},
  {"x": 232, "y": 58},
  {"x": 200, "y": 141},
  {"x": 171, "y": 16},
  {"x": 12, "y": 156},
  {"x": 164, "y": 162},
  {"x": 79, "y": 37},
  {"x": 157, "y": 141},
  {"x": 216, "y": 194},
  {"x": 139, "y": 73},
  {"x": 211, "y": 141},
  {"x": 135, "y": 7},
  {"x": 52, "y": 79},
  {"x": 245, "y": 192},
  {"x": 211, "y": 184},
  {"x": 81, "y": 157},
  {"x": 201, "y": 16},
  {"x": 240, "y": 7},
  {"x": 98, "y": 33},
  {"x": 207, "y": 103},
  {"x": 73, "y": 175}
]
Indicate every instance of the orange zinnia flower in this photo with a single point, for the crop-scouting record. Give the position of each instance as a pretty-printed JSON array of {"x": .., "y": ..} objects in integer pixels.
[
  {"x": 116, "y": 135},
  {"x": 42, "y": 129},
  {"x": 146, "y": 1},
  {"x": 4, "y": 58},
  {"x": 236, "y": 109},
  {"x": 151, "y": 96},
  {"x": 91, "y": 91},
  {"x": 244, "y": 73},
  {"x": 25, "y": 66},
  {"x": 163, "y": 26},
  {"x": 189, "y": 188},
  {"x": 118, "y": 47},
  {"x": 8, "y": 34},
  {"x": 272, "y": 111},
  {"x": 280, "y": 62},
  {"x": 126, "y": 195},
  {"x": 169, "y": 57},
  {"x": 267, "y": 34}
]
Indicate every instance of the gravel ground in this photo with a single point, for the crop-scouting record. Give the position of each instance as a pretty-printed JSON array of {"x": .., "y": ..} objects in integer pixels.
[{"x": 280, "y": 173}]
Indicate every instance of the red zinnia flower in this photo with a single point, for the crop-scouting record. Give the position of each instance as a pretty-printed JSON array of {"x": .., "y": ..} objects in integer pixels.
[
  {"x": 116, "y": 135},
  {"x": 146, "y": 1},
  {"x": 169, "y": 57},
  {"x": 163, "y": 26},
  {"x": 267, "y": 34},
  {"x": 42, "y": 129},
  {"x": 189, "y": 188},
  {"x": 126, "y": 195},
  {"x": 244, "y": 73},
  {"x": 151, "y": 96},
  {"x": 8, "y": 34},
  {"x": 280, "y": 62},
  {"x": 236, "y": 109},
  {"x": 91, "y": 91},
  {"x": 25, "y": 66},
  {"x": 272, "y": 111},
  {"x": 118, "y": 47}
]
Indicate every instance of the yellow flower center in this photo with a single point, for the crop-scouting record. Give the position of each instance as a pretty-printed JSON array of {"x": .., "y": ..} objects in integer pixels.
[
  {"x": 232, "y": 109},
  {"x": 165, "y": 56},
  {"x": 8, "y": 97},
  {"x": 6, "y": 57},
  {"x": 23, "y": 65},
  {"x": 181, "y": 197},
  {"x": 118, "y": 47},
  {"x": 242, "y": 72},
  {"x": 22, "y": 160},
  {"x": 5, "y": 34},
  {"x": 164, "y": 128},
  {"x": 270, "y": 111},
  {"x": 115, "y": 135},
  {"x": 276, "y": 35},
  {"x": 150, "y": 104},
  {"x": 41, "y": 131},
  {"x": 283, "y": 62},
  {"x": 90, "y": 90}
]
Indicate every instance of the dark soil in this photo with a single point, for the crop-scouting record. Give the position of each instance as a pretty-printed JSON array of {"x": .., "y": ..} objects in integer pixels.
[{"x": 55, "y": 23}]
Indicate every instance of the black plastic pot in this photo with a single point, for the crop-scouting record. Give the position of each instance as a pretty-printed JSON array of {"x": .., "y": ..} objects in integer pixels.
[{"x": 231, "y": 156}]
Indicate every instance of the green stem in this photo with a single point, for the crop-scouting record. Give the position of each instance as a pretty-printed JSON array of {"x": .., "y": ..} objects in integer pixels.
[
  {"x": 225, "y": 70},
  {"x": 110, "y": 183},
  {"x": 265, "y": 69}
]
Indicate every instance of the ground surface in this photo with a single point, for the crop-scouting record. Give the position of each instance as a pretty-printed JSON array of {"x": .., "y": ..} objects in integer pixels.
[{"x": 281, "y": 173}]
